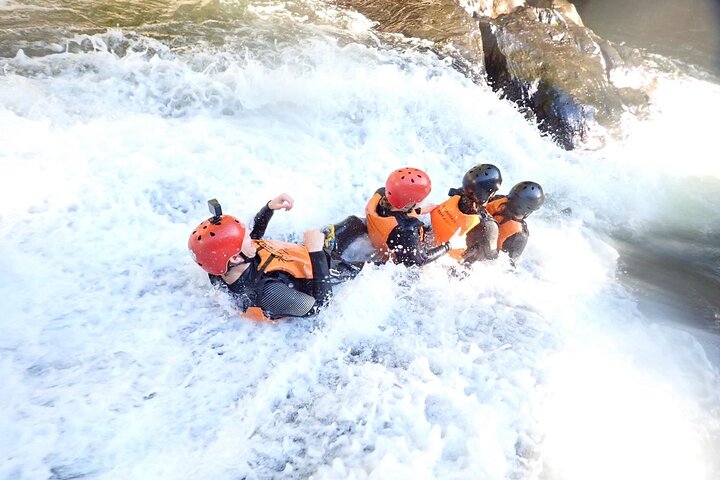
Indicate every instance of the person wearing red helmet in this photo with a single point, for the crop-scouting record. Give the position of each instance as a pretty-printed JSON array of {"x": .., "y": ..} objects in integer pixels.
[
  {"x": 395, "y": 231},
  {"x": 465, "y": 210},
  {"x": 269, "y": 279}
]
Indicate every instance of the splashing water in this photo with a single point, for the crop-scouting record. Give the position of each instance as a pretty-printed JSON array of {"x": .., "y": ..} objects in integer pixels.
[{"x": 119, "y": 360}]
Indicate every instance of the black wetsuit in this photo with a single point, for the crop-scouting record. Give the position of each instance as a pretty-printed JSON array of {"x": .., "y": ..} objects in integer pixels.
[
  {"x": 278, "y": 293},
  {"x": 405, "y": 240},
  {"x": 481, "y": 240}
]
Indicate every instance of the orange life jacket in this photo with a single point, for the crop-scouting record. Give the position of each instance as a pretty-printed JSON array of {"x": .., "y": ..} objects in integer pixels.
[
  {"x": 277, "y": 256},
  {"x": 508, "y": 227},
  {"x": 378, "y": 227},
  {"x": 446, "y": 218}
]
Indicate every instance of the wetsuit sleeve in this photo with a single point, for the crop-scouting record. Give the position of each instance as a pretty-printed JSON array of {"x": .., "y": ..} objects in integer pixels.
[
  {"x": 404, "y": 242},
  {"x": 482, "y": 241},
  {"x": 515, "y": 244},
  {"x": 322, "y": 288},
  {"x": 260, "y": 222}
]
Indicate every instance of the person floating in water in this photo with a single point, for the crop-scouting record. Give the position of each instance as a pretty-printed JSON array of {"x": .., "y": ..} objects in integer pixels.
[
  {"x": 510, "y": 213},
  {"x": 393, "y": 226},
  {"x": 465, "y": 210},
  {"x": 269, "y": 279}
]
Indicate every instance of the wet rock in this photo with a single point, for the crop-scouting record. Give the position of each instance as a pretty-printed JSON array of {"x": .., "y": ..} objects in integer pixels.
[
  {"x": 449, "y": 28},
  {"x": 537, "y": 53},
  {"x": 552, "y": 66},
  {"x": 495, "y": 8}
]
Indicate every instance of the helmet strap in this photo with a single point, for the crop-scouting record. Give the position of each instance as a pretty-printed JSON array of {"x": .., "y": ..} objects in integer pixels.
[{"x": 245, "y": 258}]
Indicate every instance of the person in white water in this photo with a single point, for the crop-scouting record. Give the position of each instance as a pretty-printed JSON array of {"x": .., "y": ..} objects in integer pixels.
[
  {"x": 395, "y": 231},
  {"x": 465, "y": 210},
  {"x": 510, "y": 213},
  {"x": 269, "y": 279}
]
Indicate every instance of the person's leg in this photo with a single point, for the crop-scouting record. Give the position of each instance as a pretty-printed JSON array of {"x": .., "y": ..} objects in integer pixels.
[
  {"x": 342, "y": 270},
  {"x": 340, "y": 235}
]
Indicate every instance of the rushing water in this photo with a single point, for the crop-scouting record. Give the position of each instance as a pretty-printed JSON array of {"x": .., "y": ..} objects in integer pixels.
[
  {"x": 673, "y": 271},
  {"x": 119, "y": 120}
]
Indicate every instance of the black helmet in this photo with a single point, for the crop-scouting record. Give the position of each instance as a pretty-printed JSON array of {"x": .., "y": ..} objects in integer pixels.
[
  {"x": 524, "y": 198},
  {"x": 481, "y": 182}
]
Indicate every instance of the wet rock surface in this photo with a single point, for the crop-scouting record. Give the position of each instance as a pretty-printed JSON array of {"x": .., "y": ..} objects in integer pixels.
[
  {"x": 560, "y": 71},
  {"x": 537, "y": 53},
  {"x": 450, "y": 29}
]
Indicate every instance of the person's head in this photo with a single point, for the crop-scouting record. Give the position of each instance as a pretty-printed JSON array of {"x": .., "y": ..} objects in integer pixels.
[
  {"x": 523, "y": 199},
  {"x": 481, "y": 182},
  {"x": 217, "y": 241},
  {"x": 406, "y": 187}
]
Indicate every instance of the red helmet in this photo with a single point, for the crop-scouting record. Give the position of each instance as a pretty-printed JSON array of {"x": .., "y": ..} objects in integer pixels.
[
  {"x": 407, "y": 185},
  {"x": 214, "y": 241}
]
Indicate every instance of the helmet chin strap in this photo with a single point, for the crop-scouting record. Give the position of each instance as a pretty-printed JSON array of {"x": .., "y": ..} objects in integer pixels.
[{"x": 245, "y": 258}]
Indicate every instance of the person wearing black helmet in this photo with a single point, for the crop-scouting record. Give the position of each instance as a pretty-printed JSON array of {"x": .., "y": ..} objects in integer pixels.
[
  {"x": 510, "y": 213},
  {"x": 465, "y": 211}
]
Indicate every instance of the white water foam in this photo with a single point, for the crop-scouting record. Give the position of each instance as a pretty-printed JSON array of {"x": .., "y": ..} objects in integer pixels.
[{"x": 120, "y": 361}]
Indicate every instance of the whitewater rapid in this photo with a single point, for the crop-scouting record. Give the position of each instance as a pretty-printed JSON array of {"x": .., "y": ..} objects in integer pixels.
[{"x": 119, "y": 360}]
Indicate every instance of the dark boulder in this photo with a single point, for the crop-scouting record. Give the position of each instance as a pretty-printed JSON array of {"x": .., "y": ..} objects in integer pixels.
[
  {"x": 554, "y": 67},
  {"x": 537, "y": 53}
]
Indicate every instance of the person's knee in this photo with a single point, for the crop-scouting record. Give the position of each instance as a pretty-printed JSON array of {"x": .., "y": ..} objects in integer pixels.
[
  {"x": 351, "y": 227},
  {"x": 349, "y": 230},
  {"x": 351, "y": 224}
]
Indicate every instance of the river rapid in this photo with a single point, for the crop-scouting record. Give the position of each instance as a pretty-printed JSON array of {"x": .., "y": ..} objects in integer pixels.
[{"x": 595, "y": 357}]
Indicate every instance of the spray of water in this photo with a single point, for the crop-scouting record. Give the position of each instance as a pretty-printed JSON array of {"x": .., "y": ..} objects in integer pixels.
[{"x": 121, "y": 361}]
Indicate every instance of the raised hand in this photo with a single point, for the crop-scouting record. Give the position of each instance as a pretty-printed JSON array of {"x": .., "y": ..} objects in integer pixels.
[{"x": 283, "y": 201}]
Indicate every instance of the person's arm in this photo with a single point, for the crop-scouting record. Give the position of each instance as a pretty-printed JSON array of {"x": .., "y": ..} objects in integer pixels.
[
  {"x": 263, "y": 217},
  {"x": 515, "y": 244},
  {"x": 482, "y": 241},
  {"x": 404, "y": 242},
  {"x": 322, "y": 288},
  {"x": 432, "y": 254},
  {"x": 314, "y": 241},
  {"x": 260, "y": 222},
  {"x": 239, "y": 295}
]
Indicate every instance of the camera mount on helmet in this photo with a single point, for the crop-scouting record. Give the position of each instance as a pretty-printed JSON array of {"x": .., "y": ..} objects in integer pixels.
[{"x": 216, "y": 210}]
